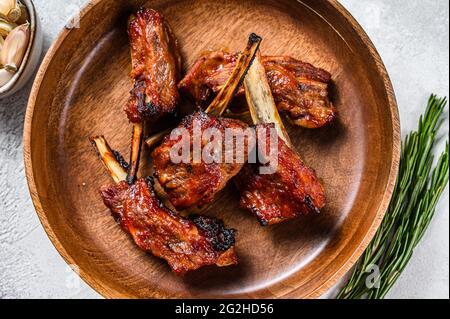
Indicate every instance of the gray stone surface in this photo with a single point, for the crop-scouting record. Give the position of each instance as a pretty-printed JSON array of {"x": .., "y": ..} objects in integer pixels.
[{"x": 413, "y": 39}]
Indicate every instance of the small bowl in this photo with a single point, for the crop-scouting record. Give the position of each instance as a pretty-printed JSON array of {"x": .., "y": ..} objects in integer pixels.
[{"x": 31, "y": 58}]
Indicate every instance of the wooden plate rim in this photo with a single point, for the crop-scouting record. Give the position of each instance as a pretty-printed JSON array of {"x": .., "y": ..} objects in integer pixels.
[{"x": 327, "y": 283}]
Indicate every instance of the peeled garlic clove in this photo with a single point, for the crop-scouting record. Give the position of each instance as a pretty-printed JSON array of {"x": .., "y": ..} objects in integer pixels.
[
  {"x": 15, "y": 46},
  {"x": 5, "y": 77},
  {"x": 6, "y": 27},
  {"x": 10, "y": 10}
]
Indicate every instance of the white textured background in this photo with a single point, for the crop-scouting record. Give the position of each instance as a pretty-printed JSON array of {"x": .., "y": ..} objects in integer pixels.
[{"x": 412, "y": 37}]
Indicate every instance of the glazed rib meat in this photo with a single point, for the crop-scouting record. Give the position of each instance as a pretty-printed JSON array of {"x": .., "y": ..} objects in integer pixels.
[
  {"x": 191, "y": 182},
  {"x": 208, "y": 75},
  {"x": 279, "y": 186},
  {"x": 156, "y": 65},
  {"x": 300, "y": 90},
  {"x": 292, "y": 190},
  {"x": 186, "y": 244}
]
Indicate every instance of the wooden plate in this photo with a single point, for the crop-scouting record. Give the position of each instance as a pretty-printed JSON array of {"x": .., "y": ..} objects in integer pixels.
[{"x": 83, "y": 84}]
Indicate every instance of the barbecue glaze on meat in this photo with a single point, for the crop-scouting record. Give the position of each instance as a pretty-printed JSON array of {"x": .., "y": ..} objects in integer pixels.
[
  {"x": 194, "y": 182},
  {"x": 156, "y": 65},
  {"x": 186, "y": 244},
  {"x": 300, "y": 90},
  {"x": 293, "y": 190}
]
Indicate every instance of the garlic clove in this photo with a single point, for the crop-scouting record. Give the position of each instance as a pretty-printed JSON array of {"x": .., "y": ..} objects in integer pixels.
[
  {"x": 10, "y": 10},
  {"x": 2, "y": 41},
  {"x": 24, "y": 16},
  {"x": 15, "y": 46},
  {"x": 11, "y": 68},
  {"x": 6, "y": 27},
  {"x": 5, "y": 77}
]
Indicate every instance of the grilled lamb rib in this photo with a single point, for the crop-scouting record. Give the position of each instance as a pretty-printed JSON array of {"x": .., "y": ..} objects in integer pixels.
[
  {"x": 186, "y": 244},
  {"x": 300, "y": 90},
  {"x": 293, "y": 189},
  {"x": 156, "y": 66}
]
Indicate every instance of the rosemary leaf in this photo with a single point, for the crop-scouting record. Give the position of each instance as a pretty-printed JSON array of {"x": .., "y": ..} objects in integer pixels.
[{"x": 416, "y": 194}]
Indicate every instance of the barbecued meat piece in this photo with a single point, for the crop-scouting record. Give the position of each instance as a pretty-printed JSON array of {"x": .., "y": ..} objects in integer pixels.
[
  {"x": 300, "y": 90},
  {"x": 186, "y": 244},
  {"x": 208, "y": 75},
  {"x": 156, "y": 64},
  {"x": 291, "y": 191},
  {"x": 196, "y": 180}
]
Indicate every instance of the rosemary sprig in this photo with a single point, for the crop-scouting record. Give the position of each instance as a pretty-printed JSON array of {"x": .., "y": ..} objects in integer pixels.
[{"x": 416, "y": 194}]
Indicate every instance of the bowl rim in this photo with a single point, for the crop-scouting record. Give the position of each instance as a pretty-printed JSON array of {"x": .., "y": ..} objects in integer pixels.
[
  {"x": 10, "y": 85},
  {"x": 326, "y": 283}
]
